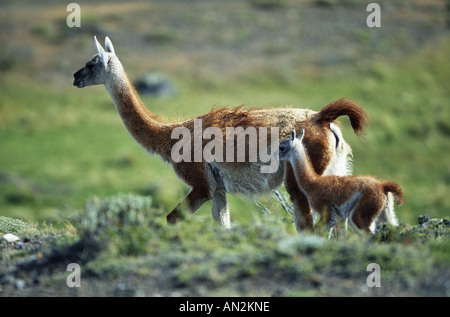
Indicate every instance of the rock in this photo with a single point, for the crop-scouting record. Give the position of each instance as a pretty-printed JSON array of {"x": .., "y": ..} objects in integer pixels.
[
  {"x": 423, "y": 219},
  {"x": 154, "y": 84},
  {"x": 20, "y": 284},
  {"x": 9, "y": 237}
]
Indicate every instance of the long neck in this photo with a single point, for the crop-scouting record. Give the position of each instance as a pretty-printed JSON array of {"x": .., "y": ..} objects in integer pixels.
[
  {"x": 303, "y": 169},
  {"x": 143, "y": 126}
]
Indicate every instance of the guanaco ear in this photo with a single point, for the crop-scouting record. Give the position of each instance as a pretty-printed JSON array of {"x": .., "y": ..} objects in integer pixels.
[
  {"x": 301, "y": 135},
  {"x": 109, "y": 45},
  {"x": 101, "y": 51},
  {"x": 292, "y": 135}
]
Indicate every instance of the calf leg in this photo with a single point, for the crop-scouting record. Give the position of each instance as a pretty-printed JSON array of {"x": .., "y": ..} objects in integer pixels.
[
  {"x": 332, "y": 220},
  {"x": 366, "y": 211},
  {"x": 303, "y": 218}
]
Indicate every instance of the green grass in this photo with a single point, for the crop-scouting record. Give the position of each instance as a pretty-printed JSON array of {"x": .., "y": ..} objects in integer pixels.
[
  {"x": 126, "y": 236},
  {"x": 61, "y": 145},
  {"x": 218, "y": 258}
]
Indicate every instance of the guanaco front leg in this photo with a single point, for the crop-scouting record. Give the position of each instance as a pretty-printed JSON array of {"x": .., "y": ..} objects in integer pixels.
[
  {"x": 194, "y": 175},
  {"x": 220, "y": 209},
  {"x": 193, "y": 201}
]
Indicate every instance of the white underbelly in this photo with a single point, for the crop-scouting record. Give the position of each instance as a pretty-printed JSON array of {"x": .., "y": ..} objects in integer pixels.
[{"x": 246, "y": 178}]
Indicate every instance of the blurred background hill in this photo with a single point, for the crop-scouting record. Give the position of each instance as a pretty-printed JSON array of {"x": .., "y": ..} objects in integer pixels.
[{"x": 60, "y": 145}]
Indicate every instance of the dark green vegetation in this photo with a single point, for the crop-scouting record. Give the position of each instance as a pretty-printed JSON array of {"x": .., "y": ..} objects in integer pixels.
[
  {"x": 124, "y": 242},
  {"x": 61, "y": 146}
]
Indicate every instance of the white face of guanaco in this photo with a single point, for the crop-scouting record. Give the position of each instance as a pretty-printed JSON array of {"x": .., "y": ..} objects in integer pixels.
[
  {"x": 287, "y": 146},
  {"x": 96, "y": 69}
]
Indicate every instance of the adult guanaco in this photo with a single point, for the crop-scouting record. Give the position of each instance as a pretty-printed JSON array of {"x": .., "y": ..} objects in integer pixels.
[{"x": 213, "y": 180}]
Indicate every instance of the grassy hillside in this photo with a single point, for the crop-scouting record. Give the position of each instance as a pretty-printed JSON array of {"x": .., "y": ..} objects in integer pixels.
[
  {"x": 60, "y": 146},
  {"x": 125, "y": 248}
]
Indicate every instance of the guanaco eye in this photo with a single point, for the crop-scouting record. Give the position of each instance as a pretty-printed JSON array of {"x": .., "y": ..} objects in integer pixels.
[
  {"x": 89, "y": 65},
  {"x": 283, "y": 147}
]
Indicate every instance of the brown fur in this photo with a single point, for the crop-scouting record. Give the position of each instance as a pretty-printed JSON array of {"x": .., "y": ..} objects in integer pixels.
[
  {"x": 335, "y": 109},
  {"x": 392, "y": 187}
]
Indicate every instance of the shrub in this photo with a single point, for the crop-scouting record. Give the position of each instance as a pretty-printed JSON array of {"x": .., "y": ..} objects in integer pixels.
[
  {"x": 120, "y": 222},
  {"x": 11, "y": 225}
]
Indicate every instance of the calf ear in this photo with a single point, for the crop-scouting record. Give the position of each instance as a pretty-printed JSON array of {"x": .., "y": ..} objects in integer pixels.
[
  {"x": 301, "y": 135},
  {"x": 292, "y": 135}
]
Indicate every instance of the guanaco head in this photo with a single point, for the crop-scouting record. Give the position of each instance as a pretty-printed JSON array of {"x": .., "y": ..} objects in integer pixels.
[
  {"x": 96, "y": 70},
  {"x": 287, "y": 146}
]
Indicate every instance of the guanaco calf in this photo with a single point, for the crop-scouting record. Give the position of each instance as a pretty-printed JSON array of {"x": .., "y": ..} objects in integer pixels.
[{"x": 361, "y": 199}]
